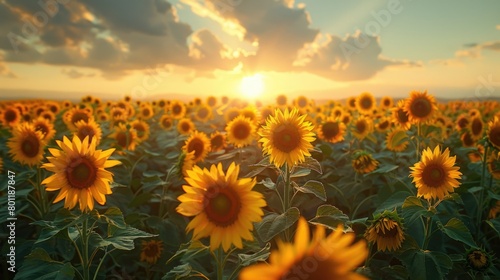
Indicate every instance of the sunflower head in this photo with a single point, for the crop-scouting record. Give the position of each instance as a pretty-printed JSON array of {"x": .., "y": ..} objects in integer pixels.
[
  {"x": 10, "y": 116},
  {"x": 476, "y": 127},
  {"x": 494, "y": 165},
  {"x": 166, "y": 122},
  {"x": 151, "y": 251},
  {"x": 89, "y": 130},
  {"x": 240, "y": 131},
  {"x": 217, "y": 141},
  {"x": 386, "y": 102},
  {"x": 185, "y": 126},
  {"x": 198, "y": 143},
  {"x": 224, "y": 206},
  {"x": 362, "y": 127},
  {"x": 142, "y": 129},
  {"x": 435, "y": 175},
  {"x": 420, "y": 107},
  {"x": 287, "y": 137},
  {"x": 478, "y": 259},
  {"x": 79, "y": 173},
  {"x": 365, "y": 103},
  {"x": 74, "y": 115},
  {"x": 177, "y": 109},
  {"x": 363, "y": 162},
  {"x": 45, "y": 127},
  {"x": 324, "y": 257},
  {"x": 125, "y": 136},
  {"x": 281, "y": 100},
  {"x": 203, "y": 113},
  {"x": 331, "y": 130},
  {"x": 26, "y": 144},
  {"x": 386, "y": 230},
  {"x": 493, "y": 133},
  {"x": 397, "y": 140}
]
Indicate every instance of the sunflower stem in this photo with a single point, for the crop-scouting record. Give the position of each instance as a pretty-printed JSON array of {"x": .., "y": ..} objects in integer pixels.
[
  {"x": 427, "y": 236},
  {"x": 286, "y": 197},
  {"x": 85, "y": 248},
  {"x": 417, "y": 150},
  {"x": 106, "y": 252},
  {"x": 220, "y": 263},
  {"x": 481, "y": 193}
]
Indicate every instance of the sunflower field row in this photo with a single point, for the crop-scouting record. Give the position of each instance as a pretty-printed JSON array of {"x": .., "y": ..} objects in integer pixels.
[{"x": 222, "y": 188}]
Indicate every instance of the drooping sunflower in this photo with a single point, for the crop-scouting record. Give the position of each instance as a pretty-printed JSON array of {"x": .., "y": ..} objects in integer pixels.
[
  {"x": 223, "y": 205},
  {"x": 462, "y": 122},
  {"x": 397, "y": 140},
  {"x": 420, "y": 107},
  {"x": 185, "y": 126},
  {"x": 199, "y": 143},
  {"x": 177, "y": 109},
  {"x": 493, "y": 133},
  {"x": 26, "y": 144},
  {"x": 287, "y": 137},
  {"x": 217, "y": 141},
  {"x": 467, "y": 139},
  {"x": 80, "y": 174},
  {"x": 476, "y": 127},
  {"x": 151, "y": 251},
  {"x": 334, "y": 257},
  {"x": 399, "y": 116},
  {"x": 478, "y": 259},
  {"x": 125, "y": 137},
  {"x": 90, "y": 129},
  {"x": 240, "y": 132},
  {"x": 365, "y": 103},
  {"x": 45, "y": 127},
  {"x": 435, "y": 175},
  {"x": 142, "y": 129},
  {"x": 362, "y": 126},
  {"x": 331, "y": 130},
  {"x": 363, "y": 162},
  {"x": 386, "y": 230}
]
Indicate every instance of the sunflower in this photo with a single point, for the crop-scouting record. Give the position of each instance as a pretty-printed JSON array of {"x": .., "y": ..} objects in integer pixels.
[
  {"x": 151, "y": 251},
  {"x": 211, "y": 101},
  {"x": 383, "y": 125},
  {"x": 420, "y": 107},
  {"x": 365, "y": 103},
  {"x": 74, "y": 115},
  {"x": 399, "y": 116},
  {"x": 203, "y": 113},
  {"x": 265, "y": 113},
  {"x": 386, "y": 230},
  {"x": 252, "y": 113},
  {"x": 397, "y": 140},
  {"x": 476, "y": 127},
  {"x": 362, "y": 127},
  {"x": 324, "y": 257},
  {"x": 301, "y": 102},
  {"x": 386, "y": 102},
  {"x": 26, "y": 144},
  {"x": 494, "y": 165},
  {"x": 287, "y": 137},
  {"x": 281, "y": 100},
  {"x": 53, "y": 106},
  {"x": 89, "y": 129},
  {"x": 199, "y": 143},
  {"x": 186, "y": 162},
  {"x": 331, "y": 130},
  {"x": 45, "y": 127},
  {"x": 177, "y": 109},
  {"x": 80, "y": 173},
  {"x": 363, "y": 162},
  {"x": 142, "y": 129},
  {"x": 467, "y": 140},
  {"x": 11, "y": 116},
  {"x": 478, "y": 259},
  {"x": 240, "y": 131},
  {"x": 217, "y": 141},
  {"x": 125, "y": 137},
  {"x": 231, "y": 113},
  {"x": 223, "y": 205},
  {"x": 462, "y": 122},
  {"x": 435, "y": 175},
  {"x": 146, "y": 111},
  {"x": 185, "y": 126},
  {"x": 166, "y": 122},
  {"x": 351, "y": 103},
  {"x": 493, "y": 133}
]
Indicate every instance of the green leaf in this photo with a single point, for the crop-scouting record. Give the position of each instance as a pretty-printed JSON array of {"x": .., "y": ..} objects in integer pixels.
[
  {"x": 413, "y": 210},
  {"x": 386, "y": 168},
  {"x": 312, "y": 164},
  {"x": 63, "y": 220},
  {"x": 189, "y": 250},
  {"x": 455, "y": 197},
  {"x": 39, "y": 265},
  {"x": 495, "y": 224},
  {"x": 114, "y": 216},
  {"x": 394, "y": 201},
  {"x": 273, "y": 223},
  {"x": 179, "y": 272},
  {"x": 398, "y": 272},
  {"x": 124, "y": 238},
  {"x": 329, "y": 216},
  {"x": 261, "y": 255},
  {"x": 268, "y": 183},
  {"x": 424, "y": 265},
  {"x": 314, "y": 187},
  {"x": 300, "y": 172},
  {"x": 457, "y": 230}
]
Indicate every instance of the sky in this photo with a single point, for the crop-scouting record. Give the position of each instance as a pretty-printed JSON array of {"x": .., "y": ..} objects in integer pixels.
[{"x": 255, "y": 49}]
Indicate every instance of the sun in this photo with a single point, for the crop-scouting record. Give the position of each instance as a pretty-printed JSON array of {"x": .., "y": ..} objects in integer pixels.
[{"x": 252, "y": 87}]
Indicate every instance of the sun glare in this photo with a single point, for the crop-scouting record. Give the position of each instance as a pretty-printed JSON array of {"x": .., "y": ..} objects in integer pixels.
[{"x": 252, "y": 87}]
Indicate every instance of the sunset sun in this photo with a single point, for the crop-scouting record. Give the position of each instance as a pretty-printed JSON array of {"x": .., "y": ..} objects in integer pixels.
[{"x": 252, "y": 87}]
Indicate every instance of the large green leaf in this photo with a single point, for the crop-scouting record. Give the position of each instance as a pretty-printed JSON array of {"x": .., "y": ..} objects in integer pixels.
[
  {"x": 424, "y": 265},
  {"x": 39, "y": 265},
  {"x": 329, "y": 216},
  {"x": 273, "y": 224},
  {"x": 62, "y": 220},
  {"x": 189, "y": 250},
  {"x": 313, "y": 187},
  {"x": 123, "y": 238},
  {"x": 114, "y": 216},
  {"x": 413, "y": 210},
  {"x": 312, "y": 164},
  {"x": 457, "y": 230},
  {"x": 394, "y": 201},
  {"x": 261, "y": 255},
  {"x": 495, "y": 224}
]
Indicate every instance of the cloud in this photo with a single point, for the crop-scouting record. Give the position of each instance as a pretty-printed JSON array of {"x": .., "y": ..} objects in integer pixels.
[
  {"x": 75, "y": 74},
  {"x": 474, "y": 50},
  {"x": 5, "y": 71}
]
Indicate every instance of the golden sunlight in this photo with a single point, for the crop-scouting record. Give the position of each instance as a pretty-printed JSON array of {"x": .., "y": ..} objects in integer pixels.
[{"x": 252, "y": 87}]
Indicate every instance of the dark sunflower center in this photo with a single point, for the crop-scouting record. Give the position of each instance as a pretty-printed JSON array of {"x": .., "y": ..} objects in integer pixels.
[
  {"x": 167, "y": 123},
  {"x": 366, "y": 103},
  {"x": 216, "y": 141},
  {"x": 434, "y": 175},
  {"x": 476, "y": 126},
  {"x": 352, "y": 102},
  {"x": 241, "y": 131},
  {"x": 462, "y": 122},
  {"x": 383, "y": 125},
  {"x": 389, "y": 233},
  {"x": 146, "y": 112},
  {"x": 161, "y": 103},
  {"x": 81, "y": 173},
  {"x": 311, "y": 267},
  {"x": 286, "y": 138},
  {"x": 177, "y": 109},
  {"x": 421, "y": 107},
  {"x": 281, "y": 100},
  {"x": 85, "y": 131},
  {"x": 197, "y": 146},
  {"x": 30, "y": 146},
  {"x": 152, "y": 250},
  {"x": 122, "y": 139},
  {"x": 185, "y": 126},
  {"x": 302, "y": 102},
  {"x": 141, "y": 130},
  {"x": 330, "y": 129},
  {"x": 467, "y": 140},
  {"x": 78, "y": 116},
  {"x": 361, "y": 126},
  {"x": 402, "y": 116},
  {"x": 53, "y": 109},
  {"x": 10, "y": 116},
  {"x": 223, "y": 206},
  {"x": 387, "y": 102},
  {"x": 494, "y": 135},
  {"x": 42, "y": 128},
  {"x": 202, "y": 113}
]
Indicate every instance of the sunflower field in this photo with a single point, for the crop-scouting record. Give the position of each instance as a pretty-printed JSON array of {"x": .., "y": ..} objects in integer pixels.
[{"x": 222, "y": 188}]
